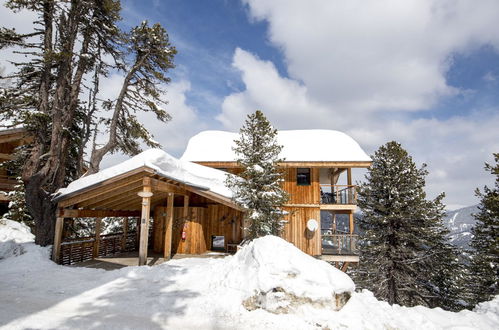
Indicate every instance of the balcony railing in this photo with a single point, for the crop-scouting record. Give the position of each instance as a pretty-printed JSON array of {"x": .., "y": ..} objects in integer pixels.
[
  {"x": 339, "y": 244},
  {"x": 338, "y": 194}
]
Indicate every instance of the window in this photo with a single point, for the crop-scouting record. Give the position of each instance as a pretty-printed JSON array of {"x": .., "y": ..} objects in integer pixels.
[
  {"x": 303, "y": 176},
  {"x": 218, "y": 243}
]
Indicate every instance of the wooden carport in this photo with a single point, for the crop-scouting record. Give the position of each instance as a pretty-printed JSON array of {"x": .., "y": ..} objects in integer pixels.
[{"x": 132, "y": 194}]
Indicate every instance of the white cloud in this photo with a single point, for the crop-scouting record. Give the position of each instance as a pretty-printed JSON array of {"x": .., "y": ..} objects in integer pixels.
[
  {"x": 361, "y": 66},
  {"x": 376, "y": 55}
]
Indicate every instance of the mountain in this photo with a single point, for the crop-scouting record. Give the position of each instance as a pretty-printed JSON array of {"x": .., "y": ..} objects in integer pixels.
[{"x": 460, "y": 222}]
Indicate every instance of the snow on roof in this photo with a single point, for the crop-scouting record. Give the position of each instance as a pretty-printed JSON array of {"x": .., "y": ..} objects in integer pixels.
[
  {"x": 198, "y": 176},
  {"x": 298, "y": 146}
]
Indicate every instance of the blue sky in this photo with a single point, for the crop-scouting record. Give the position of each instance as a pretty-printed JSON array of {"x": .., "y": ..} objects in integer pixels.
[{"x": 421, "y": 72}]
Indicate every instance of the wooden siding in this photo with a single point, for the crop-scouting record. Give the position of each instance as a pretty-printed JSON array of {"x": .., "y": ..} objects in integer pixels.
[
  {"x": 201, "y": 224},
  {"x": 296, "y": 232},
  {"x": 302, "y": 194}
]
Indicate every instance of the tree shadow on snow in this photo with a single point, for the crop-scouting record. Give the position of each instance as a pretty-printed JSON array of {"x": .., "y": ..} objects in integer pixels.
[{"x": 67, "y": 297}]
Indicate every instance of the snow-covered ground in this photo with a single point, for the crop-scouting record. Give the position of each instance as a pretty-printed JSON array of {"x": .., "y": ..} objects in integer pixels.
[{"x": 201, "y": 293}]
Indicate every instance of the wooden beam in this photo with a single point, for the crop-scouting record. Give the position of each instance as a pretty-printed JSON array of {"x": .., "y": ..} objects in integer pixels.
[
  {"x": 338, "y": 164},
  {"x": 167, "y": 249},
  {"x": 56, "y": 249},
  {"x": 185, "y": 212},
  {"x": 352, "y": 207},
  {"x": 215, "y": 197},
  {"x": 98, "y": 223},
  {"x": 67, "y": 213},
  {"x": 144, "y": 226},
  {"x": 349, "y": 176},
  {"x": 302, "y": 205},
  {"x": 345, "y": 266},
  {"x": 101, "y": 188},
  {"x": 158, "y": 185},
  {"x": 108, "y": 198},
  {"x": 131, "y": 204}
]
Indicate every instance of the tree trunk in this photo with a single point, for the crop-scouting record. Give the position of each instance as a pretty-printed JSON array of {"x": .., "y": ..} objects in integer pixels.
[{"x": 43, "y": 210}]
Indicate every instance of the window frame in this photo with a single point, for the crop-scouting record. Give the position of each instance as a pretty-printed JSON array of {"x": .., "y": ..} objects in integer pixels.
[{"x": 307, "y": 175}]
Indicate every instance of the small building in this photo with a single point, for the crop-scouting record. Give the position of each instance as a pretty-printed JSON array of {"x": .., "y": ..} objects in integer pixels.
[
  {"x": 10, "y": 140},
  {"x": 193, "y": 211}
]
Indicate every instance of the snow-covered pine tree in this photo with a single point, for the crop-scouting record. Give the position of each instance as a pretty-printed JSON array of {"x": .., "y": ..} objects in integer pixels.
[
  {"x": 485, "y": 241},
  {"x": 260, "y": 193},
  {"x": 405, "y": 258}
]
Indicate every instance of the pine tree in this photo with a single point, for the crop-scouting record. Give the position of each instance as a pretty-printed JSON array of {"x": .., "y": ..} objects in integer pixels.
[
  {"x": 485, "y": 241},
  {"x": 405, "y": 258},
  {"x": 260, "y": 191}
]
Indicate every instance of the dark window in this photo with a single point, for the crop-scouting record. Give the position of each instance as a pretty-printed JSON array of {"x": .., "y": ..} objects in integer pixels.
[
  {"x": 303, "y": 176},
  {"x": 218, "y": 243}
]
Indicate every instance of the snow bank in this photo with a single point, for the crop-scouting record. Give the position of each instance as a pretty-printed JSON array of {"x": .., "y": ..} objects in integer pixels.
[
  {"x": 298, "y": 145},
  {"x": 202, "y": 293},
  {"x": 276, "y": 276},
  {"x": 488, "y": 307},
  {"x": 164, "y": 164},
  {"x": 13, "y": 235}
]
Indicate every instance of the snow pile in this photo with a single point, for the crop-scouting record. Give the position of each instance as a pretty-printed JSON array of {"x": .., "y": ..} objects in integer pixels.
[
  {"x": 491, "y": 307},
  {"x": 13, "y": 235},
  {"x": 276, "y": 276},
  {"x": 201, "y": 177},
  {"x": 298, "y": 145}
]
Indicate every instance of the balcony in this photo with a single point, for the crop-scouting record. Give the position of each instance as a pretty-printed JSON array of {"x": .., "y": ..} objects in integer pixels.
[
  {"x": 338, "y": 194},
  {"x": 339, "y": 247}
]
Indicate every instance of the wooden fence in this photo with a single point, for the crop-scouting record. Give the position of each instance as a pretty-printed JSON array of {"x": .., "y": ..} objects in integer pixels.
[{"x": 82, "y": 249}]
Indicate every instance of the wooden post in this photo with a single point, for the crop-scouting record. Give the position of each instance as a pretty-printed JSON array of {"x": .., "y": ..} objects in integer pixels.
[
  {"x": 349, "y": 189},
  {"x": 352, "y": 228},
  {"x": 351, "y": 224},
  {"x": 125, "y": 233},
  {"x": 56, "y": 249},
  {"x": 167, "y": 249},
  {"x": 185, "y": 213},
  {"x": 146, "y": 195},
  {"x": 97, "y": 237}
]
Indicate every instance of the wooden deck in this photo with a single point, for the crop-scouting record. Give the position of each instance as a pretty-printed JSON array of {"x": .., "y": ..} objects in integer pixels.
[{"x": 131, "y": 259}]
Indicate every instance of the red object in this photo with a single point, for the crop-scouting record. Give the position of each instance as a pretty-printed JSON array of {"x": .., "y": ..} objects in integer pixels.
[{"x": 184, "y": 235}]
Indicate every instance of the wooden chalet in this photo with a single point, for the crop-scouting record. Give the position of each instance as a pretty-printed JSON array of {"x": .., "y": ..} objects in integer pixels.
[
  {"x": 318, "y": 176},
  {"x": 167, "y": 206},
  {"x": 172, "y": 206},
  {"x": 10, "y": 139}
]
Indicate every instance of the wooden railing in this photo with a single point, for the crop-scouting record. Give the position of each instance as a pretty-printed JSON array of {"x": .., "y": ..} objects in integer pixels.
[
  {"x": 339, "y": 244},
  {"x": 338, "y": 194},
  {"x": 83, "y": 249}
]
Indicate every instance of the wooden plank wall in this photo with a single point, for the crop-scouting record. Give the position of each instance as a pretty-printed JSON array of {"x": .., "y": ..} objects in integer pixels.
[
  {"x": 302, "y": 194},
  {"x": 201, "y": 224},
  {"x": 296, "y": 232}
]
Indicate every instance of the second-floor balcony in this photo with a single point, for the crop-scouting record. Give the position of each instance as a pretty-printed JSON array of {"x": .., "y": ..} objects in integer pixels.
[
  {"x": 338, "y": 243},
  {"x": 338, "y": 194}
]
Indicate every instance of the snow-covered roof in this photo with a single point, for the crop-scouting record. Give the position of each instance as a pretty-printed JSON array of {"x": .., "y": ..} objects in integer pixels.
[
  {"x": 197, "y": 176},
  {"x": 298, "y": 146}
]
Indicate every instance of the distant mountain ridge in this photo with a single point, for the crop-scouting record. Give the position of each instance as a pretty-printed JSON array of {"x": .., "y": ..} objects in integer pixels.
[{"x": 460, "y": 222}]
